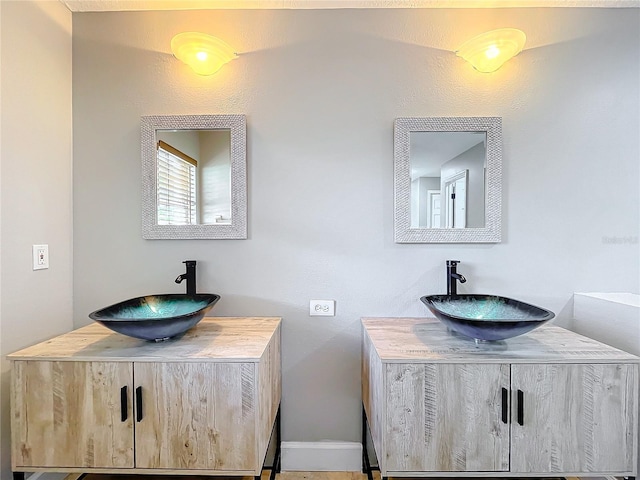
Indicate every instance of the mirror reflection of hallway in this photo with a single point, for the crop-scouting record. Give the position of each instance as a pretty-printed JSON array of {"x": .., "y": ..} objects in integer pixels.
[{"x": 454, "y": 164}]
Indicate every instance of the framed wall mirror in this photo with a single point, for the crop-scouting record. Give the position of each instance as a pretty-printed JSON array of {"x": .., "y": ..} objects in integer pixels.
[
  {"x": 448, "y": 179},
  {"x": 194, "y": 177}
]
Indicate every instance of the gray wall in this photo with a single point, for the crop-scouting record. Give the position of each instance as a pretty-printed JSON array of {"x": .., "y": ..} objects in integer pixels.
[
  {"x": 473, "y": 160},
  {"x": 321, "y": 90},
  {"x": 35, "y": 184},
  {"x": 187, "y": 141},
  {"x": 214, "y": 176}
]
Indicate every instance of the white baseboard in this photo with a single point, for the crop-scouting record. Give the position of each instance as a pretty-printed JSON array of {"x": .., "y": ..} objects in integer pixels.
[{"x": 321, "y": 456}]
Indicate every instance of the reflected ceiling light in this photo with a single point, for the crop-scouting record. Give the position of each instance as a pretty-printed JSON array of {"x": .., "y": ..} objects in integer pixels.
[
  {"x": 202, "y": 52},
  {"x": 488, "y": 51}
]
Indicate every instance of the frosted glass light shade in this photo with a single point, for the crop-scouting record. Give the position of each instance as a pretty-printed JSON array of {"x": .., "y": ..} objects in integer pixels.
[
  {"x": 488, "y": 51},
  {"x": 202, "y": 52}
]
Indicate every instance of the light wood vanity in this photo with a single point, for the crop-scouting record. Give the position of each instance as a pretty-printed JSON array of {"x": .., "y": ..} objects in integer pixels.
[
  {"x": 96, "y": 401},
  {"x": 549, "y": 403}
]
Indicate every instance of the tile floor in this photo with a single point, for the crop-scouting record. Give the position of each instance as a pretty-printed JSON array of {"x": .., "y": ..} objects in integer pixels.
[{"x": 265, "y": 476}]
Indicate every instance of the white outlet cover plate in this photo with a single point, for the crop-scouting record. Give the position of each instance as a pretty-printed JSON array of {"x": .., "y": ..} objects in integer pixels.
[
  {"x": 322, "y": 308},
  {"x": 40, "y": 257}
]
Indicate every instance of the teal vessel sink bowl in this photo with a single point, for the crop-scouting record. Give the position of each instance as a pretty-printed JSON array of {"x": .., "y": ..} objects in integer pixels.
[
  {"x": 156, "y": 317},
  {"x": 486, "y": 317}
]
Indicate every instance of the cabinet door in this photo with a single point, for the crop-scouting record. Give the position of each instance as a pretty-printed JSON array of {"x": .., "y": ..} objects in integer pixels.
[
  {"x": 196, "y": 416},
  {"x": 446, "y": 417},
  {"x": 68, "y": 414},
  {"x": 576, "y": 418}
]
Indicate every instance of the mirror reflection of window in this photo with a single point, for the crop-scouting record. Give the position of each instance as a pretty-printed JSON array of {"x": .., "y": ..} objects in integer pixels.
[
  {"x": 176, "y": 180},
  {"x": 205, "y": 197}
]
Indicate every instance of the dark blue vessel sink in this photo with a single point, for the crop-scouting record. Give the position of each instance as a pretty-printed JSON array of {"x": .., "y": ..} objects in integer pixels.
[
  {"x": 156, "y": 317},
  {"x": 486, "y": 317}
]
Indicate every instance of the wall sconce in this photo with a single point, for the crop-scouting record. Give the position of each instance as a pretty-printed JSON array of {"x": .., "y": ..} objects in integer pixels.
[
  {"x": 488, "y": 51},
  {"x": 202, "y": 52}
]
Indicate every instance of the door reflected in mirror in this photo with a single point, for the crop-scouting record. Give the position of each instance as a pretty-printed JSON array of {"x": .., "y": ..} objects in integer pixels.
[
  {"x": 194, "y": 177},
  {"x": 448, "y": 179}
]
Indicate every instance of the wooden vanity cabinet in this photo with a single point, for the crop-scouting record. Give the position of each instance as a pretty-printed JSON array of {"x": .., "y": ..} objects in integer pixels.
[
  {"x": 549, "y": 402},
  {"x": 575, "y": 418},
  {"x": 97, "y": 401},
  {"x": 445, "y": 418},
  {"x": 69, "y": 414}
]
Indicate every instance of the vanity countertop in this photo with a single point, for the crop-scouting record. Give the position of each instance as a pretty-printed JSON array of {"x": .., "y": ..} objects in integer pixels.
[
  {"x": 427, "y": 340},
  {"x": 213, "y": 339}
]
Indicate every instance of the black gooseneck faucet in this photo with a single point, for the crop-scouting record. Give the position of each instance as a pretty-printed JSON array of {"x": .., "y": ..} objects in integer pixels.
[
  {"x": 189, "y": 276},
  {"x": 453, "y": 277}
]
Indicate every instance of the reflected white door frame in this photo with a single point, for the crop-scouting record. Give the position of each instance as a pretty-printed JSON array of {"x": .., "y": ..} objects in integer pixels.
[
  {"x": 455, "y": 188},
  {"x": 434, "y": 209}
]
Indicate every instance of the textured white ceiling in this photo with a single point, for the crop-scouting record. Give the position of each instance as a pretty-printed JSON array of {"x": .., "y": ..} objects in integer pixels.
[{"x": 120, "y": 5}]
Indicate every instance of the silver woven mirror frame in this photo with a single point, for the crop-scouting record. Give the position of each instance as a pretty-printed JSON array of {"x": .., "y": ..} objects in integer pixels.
[
  {"x": 237, "y": 229},
  {"x": 491, "y": 232}
]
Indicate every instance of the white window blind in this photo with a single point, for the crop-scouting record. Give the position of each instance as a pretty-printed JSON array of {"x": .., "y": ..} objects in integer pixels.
[{"x": 176, "y": 187}]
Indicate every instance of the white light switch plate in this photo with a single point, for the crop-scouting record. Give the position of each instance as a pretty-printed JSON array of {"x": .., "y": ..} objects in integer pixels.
[{"x": 322, "y": 308}]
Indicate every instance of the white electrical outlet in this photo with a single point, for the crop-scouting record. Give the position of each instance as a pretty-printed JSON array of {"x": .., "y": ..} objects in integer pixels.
[
  {"x": 40, "y": 257},
  {"x": 322, "y": 308}
]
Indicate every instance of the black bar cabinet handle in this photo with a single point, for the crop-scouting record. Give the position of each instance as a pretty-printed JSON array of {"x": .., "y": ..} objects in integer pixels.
[
  {"x": 505, "y": 405},
  {"x": 124, "y": 408},
  {"x": 138, "y": 404},
  {"x": 520, "y": 407}
]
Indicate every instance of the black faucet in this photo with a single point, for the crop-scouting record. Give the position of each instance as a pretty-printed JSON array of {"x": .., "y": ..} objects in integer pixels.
[
  {"x": 189, "y": 276},
  {"x": 453, "y": 276}
]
